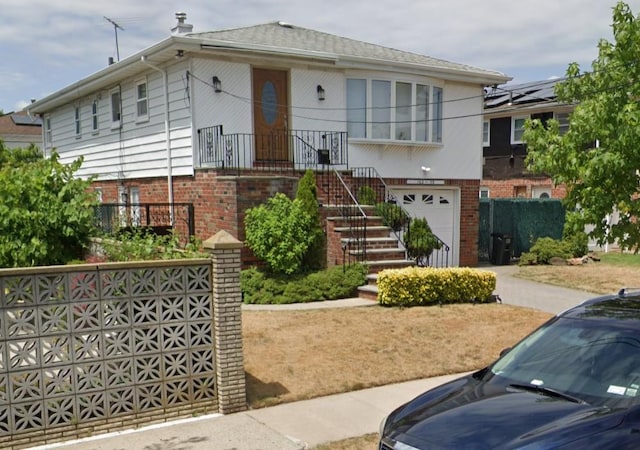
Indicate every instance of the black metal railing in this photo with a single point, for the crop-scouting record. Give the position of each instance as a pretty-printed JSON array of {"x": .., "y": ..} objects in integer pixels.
[
  {"x": 280, "y": 151},
  {"x": 160, "y": 218},
  {"x": 372, "y": 189},
  {"x": 354, "y": 245}
]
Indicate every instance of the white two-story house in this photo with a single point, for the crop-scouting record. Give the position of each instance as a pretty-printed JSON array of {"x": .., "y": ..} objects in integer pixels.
[{"x": 222, "y": 120}]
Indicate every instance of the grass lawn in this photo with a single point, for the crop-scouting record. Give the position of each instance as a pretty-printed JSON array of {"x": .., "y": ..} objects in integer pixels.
[
  {"x": 295, "y": 355},
  {"x": 614, "y": 271}
]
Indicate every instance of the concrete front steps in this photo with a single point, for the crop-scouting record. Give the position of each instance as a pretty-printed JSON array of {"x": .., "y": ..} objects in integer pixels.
[{"x": 381, "y": 248}]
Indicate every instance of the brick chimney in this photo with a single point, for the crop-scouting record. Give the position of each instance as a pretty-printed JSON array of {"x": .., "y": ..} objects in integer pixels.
[{"x": 182, "y": 27}]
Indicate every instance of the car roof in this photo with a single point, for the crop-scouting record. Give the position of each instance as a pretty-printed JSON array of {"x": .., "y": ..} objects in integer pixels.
[{"x": 623, "y": 305}]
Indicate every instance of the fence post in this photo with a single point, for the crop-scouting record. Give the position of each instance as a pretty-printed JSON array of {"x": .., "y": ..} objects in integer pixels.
[{"x": 227, "y": 321}]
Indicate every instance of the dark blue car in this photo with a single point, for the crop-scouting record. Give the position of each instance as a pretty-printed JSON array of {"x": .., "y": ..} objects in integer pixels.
[{"x": 572, "y": 383}]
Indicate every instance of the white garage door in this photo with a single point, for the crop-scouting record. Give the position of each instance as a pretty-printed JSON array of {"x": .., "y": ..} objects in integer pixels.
[{"x": 436, "y": 205}]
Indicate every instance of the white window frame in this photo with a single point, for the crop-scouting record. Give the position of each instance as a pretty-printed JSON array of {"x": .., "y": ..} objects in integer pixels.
[
  {"x": 77, "y": 121},
  {"x": 115, "y": 97},
  {"x": 95, "y": 124},
  {"x": 563, "y": 121},
  {"x": 427, "y": 124},
  {"x": 514, "y": 119},
  {"x": 48, "y": 135},
  {"x": 142, "y": 102},
  {"x": 486, "y": 133},
  {"x": 484, "y": 192}
]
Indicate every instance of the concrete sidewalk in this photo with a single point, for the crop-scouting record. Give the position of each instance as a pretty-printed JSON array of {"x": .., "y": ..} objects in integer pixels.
[
  {"x": 291, "y": 426},
  {"x": 305, "y": 424}
]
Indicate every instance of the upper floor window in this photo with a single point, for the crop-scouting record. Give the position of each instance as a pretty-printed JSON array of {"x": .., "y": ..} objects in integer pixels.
[
  {"x": 394, "y": 110},
  {"x": 94, "y": 116},
  {"x": 142, "y": 101},
  {"x": 77, "y": 123},
  {"x": 486, "y": 133},
  {"x": 563, "y": 121},
  {"x": 47, "y": 132},
  {"x": 116, "y": 108},
  {"x": 517, "y": 129}
]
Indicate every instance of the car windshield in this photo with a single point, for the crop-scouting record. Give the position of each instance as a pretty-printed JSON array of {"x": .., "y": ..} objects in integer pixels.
[{"x": 596, "y": 361}]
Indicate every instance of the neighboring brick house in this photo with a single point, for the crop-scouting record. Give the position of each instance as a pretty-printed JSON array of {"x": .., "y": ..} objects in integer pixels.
[
  {"x": 506, "y": 108},
  {"x": 225, "y": 119},
  {"x": 18, "y": 130}
]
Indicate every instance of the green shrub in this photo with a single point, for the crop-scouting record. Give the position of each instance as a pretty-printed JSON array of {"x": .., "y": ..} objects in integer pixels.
[
  {"x": 393, "y": 216},
  {"x": 546, "y": 248},
  {"x": 420, "y": 241},
  {"x": 578, "y": 243},
  {"x": 330, "y": 284},
  {"x": 366, "y": 195},
  {"x": 46, "y": 214},
  {"x": 278, "y": 233},
  {"x": 315, "y": 257},
  {"x": 140, "y": 244},
  {"x": 423, "y": 286}
]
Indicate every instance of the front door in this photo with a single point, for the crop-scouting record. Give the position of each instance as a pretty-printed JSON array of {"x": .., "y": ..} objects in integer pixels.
[{"x": 270, "y": 106}]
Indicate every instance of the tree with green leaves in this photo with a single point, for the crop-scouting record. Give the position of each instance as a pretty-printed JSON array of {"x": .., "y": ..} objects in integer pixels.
[
  {"x": 598, "y": 158},
  {"x": 45, "y": 211}
]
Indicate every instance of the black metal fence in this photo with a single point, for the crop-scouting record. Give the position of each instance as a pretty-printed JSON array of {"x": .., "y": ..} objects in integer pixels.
[
  {"x": 281, "y": 151},
  {"x": 160, "y": 218}
]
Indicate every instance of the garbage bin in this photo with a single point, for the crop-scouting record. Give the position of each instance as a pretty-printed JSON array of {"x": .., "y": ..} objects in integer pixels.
[{"x": 501, "y": 252}]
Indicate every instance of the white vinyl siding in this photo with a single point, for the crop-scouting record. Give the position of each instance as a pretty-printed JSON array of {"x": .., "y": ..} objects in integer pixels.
[{"x": 132, "y": 150}]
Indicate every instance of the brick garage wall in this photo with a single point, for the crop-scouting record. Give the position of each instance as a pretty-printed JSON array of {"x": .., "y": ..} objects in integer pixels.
[
  {"x": 469, "y": 221},
  {"x": 507, "y": 188}
]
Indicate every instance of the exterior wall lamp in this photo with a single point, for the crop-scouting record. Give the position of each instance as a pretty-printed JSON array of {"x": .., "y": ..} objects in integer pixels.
[
  {"x": 320, "y": 91},
  {"x": 217, "y": 84}
]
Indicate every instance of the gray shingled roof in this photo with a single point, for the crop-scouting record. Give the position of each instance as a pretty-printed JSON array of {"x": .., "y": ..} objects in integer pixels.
[{"x": 282, "y": 37}]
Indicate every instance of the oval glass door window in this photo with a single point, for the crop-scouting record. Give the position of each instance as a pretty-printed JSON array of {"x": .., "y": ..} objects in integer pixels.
[{"x": 269, "y": 103}]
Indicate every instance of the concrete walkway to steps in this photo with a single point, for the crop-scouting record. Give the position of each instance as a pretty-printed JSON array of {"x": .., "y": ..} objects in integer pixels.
[{"x": 305, "y": 424}]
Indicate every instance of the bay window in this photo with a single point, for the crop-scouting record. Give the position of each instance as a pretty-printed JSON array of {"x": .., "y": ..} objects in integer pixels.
[
  {"x": 356, "y": 108},
  {"x": 394, "y": 110}
]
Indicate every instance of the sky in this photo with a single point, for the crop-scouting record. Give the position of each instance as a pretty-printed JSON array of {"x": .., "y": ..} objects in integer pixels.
[{"x": 46, "y": 45}]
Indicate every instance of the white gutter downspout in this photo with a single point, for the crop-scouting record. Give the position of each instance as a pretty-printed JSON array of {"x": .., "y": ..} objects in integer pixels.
[{"x": 165, "y": 83}]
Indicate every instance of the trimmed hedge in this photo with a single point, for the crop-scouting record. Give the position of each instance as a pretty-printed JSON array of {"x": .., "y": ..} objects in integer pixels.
[
  {"x": 424, "y": 286},
  {"x": 330, "y": 284}
]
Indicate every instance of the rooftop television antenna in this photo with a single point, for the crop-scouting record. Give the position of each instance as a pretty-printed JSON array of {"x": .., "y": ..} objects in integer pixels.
[{"x": 115, "y": 29}]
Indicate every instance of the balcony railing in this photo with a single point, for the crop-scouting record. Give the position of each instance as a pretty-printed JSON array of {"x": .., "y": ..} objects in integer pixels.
[
  {"x": 160, "y": 218},
  {"x": 280, "y": 151}
]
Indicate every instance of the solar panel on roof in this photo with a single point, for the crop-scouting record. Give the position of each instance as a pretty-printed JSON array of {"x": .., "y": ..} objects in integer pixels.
[{"x": 20, "y": 119}]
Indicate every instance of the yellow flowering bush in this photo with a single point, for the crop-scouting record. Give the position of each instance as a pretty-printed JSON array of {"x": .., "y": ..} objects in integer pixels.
[{"x": 424, "y": 286}]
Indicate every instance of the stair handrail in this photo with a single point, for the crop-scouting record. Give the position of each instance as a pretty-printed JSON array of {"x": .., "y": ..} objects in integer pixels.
[
  {"x": 399, "y": 233},
  {"x": 346, "y": 210}
]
